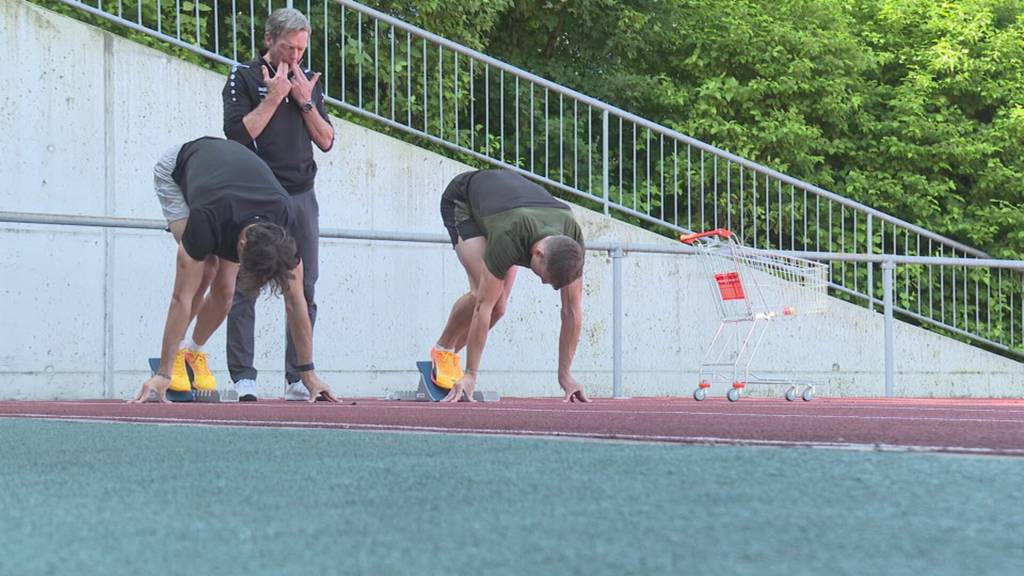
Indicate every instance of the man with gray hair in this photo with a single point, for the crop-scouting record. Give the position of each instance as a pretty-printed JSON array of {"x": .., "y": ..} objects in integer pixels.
[{"x": 275, "y": 107}]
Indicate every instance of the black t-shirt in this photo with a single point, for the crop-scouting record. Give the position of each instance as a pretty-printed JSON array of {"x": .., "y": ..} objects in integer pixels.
[
  {"x": 227, "y": 187},
  {"x": 491, "y": 191},
  {"x": 285, "y": 144}
]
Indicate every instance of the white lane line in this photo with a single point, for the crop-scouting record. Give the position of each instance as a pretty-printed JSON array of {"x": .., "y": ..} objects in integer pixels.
[{"x": 708, "y": 440}]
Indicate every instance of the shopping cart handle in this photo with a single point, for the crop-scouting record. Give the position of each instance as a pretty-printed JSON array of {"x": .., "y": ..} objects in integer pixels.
[{"x": 691, "y": 238}]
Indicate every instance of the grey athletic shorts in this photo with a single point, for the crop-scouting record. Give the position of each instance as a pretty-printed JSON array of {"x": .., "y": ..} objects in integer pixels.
[{"x": 172, "y": 199}]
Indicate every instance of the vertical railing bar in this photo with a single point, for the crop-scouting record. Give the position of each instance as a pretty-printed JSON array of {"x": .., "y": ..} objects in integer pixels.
[
  {"x": 575, "y": 149},
  {"x": 561, "y": 139},
  {"x": 689, "y": 189},
  {"x": 501, "y": 112},
  {"x": 753, "y": 208},
  {"x": 458, "y": 134},
  {"x": 931, "y": 283},
  {"x": 590, "y": 149},
  {"x": 391, "y": 70},
  {"x": 743, "y": 205},
  {"x": 376, "y": 67},
  {"x": 547, "y": 138},
  {"x": 359, "y": 60},
  {"x": 472, "y": 105},
  {"x": 216, "y": 25},
  {"x": 703, "y": 201},
  {"x": 817, "y": 223},
  {"x": 675, "y": 181},
  {"x": 661, "y": 173},
  {"x": 344, "y": 49},
  {"x": 778, "y": 191},
  {"x": 842, "y": 239},
  {"x": 517, "y": 120},
  {"x": 647, "y": 163},
  {"x": 440, "y": 92},
  {"x": 714, "y": 193},
  {"x": 792, "y": 217},
  {"x": 487, "y": 109},
  {"x": 532, "y": 137},
  {"x": 805, "y": 218},
  {"x": 408, "y": 79},
  {"x": 856, "y": 267},
  {"x": 728, "y": 195},
  {"x": 426, "y": 97},
  {"x": 942, "y": 285},
  {"x": 952, "y": 270},
  {"x": 634, "y": 166},
  {"x": 327, "y": 58},
  {"x": 234, "y": 28},
  {"x": 767, "y": 214},
  {"x": 918, "y": 270}
]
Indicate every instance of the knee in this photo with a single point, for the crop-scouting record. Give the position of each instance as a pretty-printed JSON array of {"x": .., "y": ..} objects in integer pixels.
[{"x": 497, "y": 312}]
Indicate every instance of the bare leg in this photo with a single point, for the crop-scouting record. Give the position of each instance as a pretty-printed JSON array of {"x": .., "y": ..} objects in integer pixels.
[
  {"x": 496, "y": 313},
  {"x": 471, "y": 256},
  {"x": 216, "y": 305}
]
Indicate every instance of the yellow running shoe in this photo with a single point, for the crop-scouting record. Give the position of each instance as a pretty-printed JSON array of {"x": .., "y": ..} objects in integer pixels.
[
  {"x": 204, "y": 379},
  {"x": 447, "y": 368},
  {"x": 179, "y": 375}
]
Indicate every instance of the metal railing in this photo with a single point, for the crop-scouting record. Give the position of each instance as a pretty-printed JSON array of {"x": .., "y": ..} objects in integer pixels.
[
  {"x": 618, "y": 251},
  {"x": 414, "y": 81}
]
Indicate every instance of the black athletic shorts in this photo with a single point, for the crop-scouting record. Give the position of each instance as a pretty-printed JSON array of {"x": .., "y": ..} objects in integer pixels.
[{"x": 455, "y": 212}]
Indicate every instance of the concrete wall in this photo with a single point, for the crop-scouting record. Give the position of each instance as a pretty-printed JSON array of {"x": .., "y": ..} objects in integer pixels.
[{"x": 82, "y": 308}]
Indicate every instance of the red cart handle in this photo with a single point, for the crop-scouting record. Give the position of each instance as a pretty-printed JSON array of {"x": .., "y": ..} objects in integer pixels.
[{"x": 691, "y": 238}]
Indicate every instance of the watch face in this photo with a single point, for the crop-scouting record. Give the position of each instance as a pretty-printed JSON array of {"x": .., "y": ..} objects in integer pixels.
[{"x": 307, "y": 107}]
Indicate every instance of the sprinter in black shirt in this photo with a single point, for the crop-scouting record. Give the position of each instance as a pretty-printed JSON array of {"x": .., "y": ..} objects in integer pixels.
[{"x": 230, "y": 218}]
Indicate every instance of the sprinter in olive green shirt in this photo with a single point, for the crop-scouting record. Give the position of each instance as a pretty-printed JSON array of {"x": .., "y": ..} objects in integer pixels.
[{"x": 498, "y": 220}]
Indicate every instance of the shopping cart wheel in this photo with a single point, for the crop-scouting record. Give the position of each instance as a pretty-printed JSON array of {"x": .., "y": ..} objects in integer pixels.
[
  {"x": 808, "y": 394},
  {"x": 699, "y": 394},
  {"x": 733, "y": 394}
]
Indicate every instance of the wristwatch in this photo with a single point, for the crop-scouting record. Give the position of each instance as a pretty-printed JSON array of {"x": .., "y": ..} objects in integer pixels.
[{"x": 307, "y": 107}]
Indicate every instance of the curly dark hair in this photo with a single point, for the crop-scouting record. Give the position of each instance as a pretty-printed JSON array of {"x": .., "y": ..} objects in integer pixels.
[
  {"x": 564, "y": 260},
  {"x": 269, "y": 256}
]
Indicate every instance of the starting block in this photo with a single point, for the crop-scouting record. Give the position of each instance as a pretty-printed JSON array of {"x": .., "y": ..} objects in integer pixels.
[
  {"x": 427, "y": 391},
  {"x": 194, "y": 395}
]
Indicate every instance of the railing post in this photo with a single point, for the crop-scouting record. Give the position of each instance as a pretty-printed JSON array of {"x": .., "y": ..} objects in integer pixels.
[
  {"x": 888, "y": 266},
  {"x": 871, "y": 266},
  {"x": 617, "y": 254},
  {"x": 604, "y": 157}
]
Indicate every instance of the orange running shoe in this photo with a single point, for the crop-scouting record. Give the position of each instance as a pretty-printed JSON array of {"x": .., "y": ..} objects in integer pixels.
[
  {"x": 447, "y": 368},
  {"x": 204, "y": 379},
  {"x": 179, "y": 374}
]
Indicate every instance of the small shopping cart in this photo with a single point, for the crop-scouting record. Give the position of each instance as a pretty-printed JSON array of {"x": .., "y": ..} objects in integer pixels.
[{"x": 753, "y": 288}]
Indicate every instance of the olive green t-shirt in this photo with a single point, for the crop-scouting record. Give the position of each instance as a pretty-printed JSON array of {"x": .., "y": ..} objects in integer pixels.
[{"x": 512, "y": 233}]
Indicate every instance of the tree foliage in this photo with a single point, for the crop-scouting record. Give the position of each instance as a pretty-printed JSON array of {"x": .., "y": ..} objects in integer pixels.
[{"x": 915, "y": 107}]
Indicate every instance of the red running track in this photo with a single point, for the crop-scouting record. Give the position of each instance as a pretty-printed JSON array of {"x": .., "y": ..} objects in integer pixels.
[{"x": 938, "y": 425}]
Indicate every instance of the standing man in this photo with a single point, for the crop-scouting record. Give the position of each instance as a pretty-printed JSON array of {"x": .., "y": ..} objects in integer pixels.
[
  {"x": 276, "y": 108},
  {"x": 498, "y": 220},
  {"x": 230, "y": 219}
]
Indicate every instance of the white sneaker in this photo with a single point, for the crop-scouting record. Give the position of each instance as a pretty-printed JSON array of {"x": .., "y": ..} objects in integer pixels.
[
  {"x": 246, "y": 389},
  {"x": 296, "y": 391}
]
